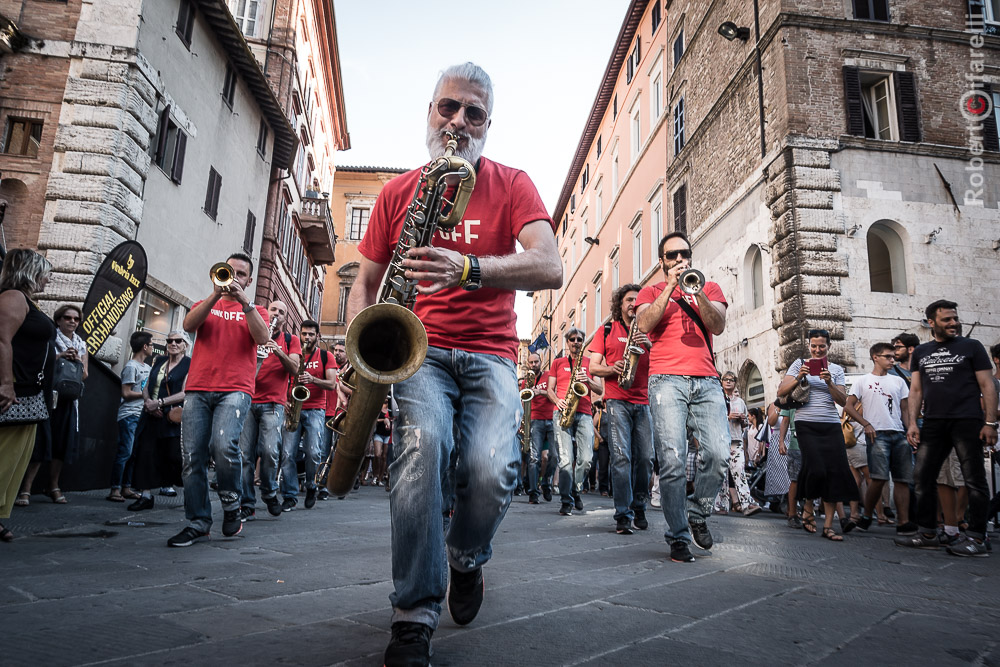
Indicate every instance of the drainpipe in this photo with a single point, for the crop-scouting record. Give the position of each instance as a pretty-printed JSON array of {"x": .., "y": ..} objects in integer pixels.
[{"x": 760, "y": 77}]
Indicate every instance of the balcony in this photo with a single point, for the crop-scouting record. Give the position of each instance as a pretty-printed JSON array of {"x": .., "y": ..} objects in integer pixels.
[{"x": 317, "y": 228}]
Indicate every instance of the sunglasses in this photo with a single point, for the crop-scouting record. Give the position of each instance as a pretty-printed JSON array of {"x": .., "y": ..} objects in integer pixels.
[
  {"x": 886, "y": 356},
  {"x": 575, "y": 339},
  {"x": 899, "y": 347},
  {"x": 674, "y": 254},
  {"x": 176, "y": 341},
  {"x": 448, "y": 107},
  {"x": 729, "y": 379},
  {"x": 818, "y": 333},
  {"x": 71, "y": 318}
]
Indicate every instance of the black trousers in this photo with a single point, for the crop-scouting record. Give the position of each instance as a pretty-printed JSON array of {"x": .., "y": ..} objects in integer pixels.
[{"x": 937, "y": 438}]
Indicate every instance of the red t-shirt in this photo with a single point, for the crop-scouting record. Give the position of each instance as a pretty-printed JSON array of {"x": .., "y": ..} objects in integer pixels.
[
  {"x": 679, "y": 347},
  {"x": 561, "y": 372},
  {"x": 225, "y": 354},
  {"x": 331, "y": 396},
  {"x": 316, "y": 368},
  {"x": 503, "y": 202},
  {"x": 615, "y": 350},
  {"x": 541, "y": 406},
  {"x": 272, "y": 378}
]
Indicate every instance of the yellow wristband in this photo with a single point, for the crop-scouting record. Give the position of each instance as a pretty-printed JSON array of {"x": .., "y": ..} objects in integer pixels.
[{"x": 465, "y": 273}]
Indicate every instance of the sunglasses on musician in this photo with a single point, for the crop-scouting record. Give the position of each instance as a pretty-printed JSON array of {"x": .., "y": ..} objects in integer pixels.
[
  {"x": 448, "y": 107},
  {"x": 175, "y": 341},
  {"x": 575, "y": 339},
  {"x": 671, "y": 255}
]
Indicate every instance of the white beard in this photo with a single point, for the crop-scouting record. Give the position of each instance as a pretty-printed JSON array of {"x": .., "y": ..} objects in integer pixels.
[{"x": 471, "y": 151}]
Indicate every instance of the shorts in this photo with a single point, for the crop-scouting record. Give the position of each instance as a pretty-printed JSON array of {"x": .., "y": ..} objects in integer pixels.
[
  {"x": 794, "y": 457},
  {"x": 890, "y": 453},
  {"x": 857, "y": 456},
  {"x": 951, "y": 472}
]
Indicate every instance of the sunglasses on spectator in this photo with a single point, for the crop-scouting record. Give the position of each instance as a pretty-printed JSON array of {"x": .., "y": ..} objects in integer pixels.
[
  {"x": 818, "y": 333},
  {"x": 448, "y": 107},
  {"x": 71, "y": 318},
  {"x": 575, "y": 339},
  {"x": 674, "y": 254},
  {"x": 899, "y": 347},
  {"x": 886, "y": 356},
  {"x": 177, "y": 341},
  {"x": 729, "y": 379}
]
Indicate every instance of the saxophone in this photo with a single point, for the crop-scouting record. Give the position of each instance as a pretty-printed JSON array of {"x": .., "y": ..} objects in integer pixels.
[
  {"x": 574, "y": 392},
  {"x": 386, "y": 343},
  {"x": 526, "y": 395},
  {"x": 632, "y": 354},
  {"x": 298, "y": 395}
]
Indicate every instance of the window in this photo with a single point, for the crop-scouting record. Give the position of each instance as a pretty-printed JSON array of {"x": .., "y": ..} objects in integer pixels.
[
  {"x": 572, "y": 203},
  {"x": 678, "y": 47},
  {"x": 614, "y": 108},
  {"x": 614, "y": 170},
  {"x": 753, "y": 268},
  {"x": 345, "y": 294},
  {"x": 24, "y": 136},
  {"x": 655, "y": 15},
  {"x": 632, "y": 65},
  {"x": 656, "y": 228},
  {"x": 169, "y": 146},
  {"x": 680, "y": 209},
  {"x": 262, "y": 139},
  {"x": 249, "y": 232},
  {"x": 229, "y": 87},
  {"x": 874, "y": 10},
  {"x": 584, "y": 232},
  {"x": 565, "y": 223},
  {"x": 637, "y": 250},
  {"x": 572, "y": 250},
  {"x": 636, "y": 130},
  {"x": 655, "y": 98},
  {"x": 991, "y": 126},
  {"x": 598, "y": 205},
  {"x": 881, "y": 105},
  {"x": 886, "y": 259},
  {"x": 212, "y": 193},
  {"x": 597, "y": 302},
  {"x": 991, "y": 15},
  {"x": 598, "y": 146},
  {"x": 585, "y": 178},
  {"x": 678, "y": 126},
  {"x": 583, "y": 312},
  {"x": 615, "y": 281},
  {"x": 246, "y": 14},
  {"x": 156, "y": 314},
  {"x": 359, "y": 223},
  {"x": 185, "y": 22}
]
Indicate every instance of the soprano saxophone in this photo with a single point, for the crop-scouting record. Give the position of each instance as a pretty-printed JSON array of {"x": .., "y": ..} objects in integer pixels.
[
  {"x": 526, "y": 395},
  {"x": 574, "y": 392},
  {"x": 386, "y": 343},
  {"x": 631, "y": 358}
]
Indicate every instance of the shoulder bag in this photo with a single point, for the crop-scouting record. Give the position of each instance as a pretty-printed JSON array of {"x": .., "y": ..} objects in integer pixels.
[
  {"x": 67, "y": 378},
  {"x": 176, "y": 412},
  {"x": 29, "y": 409},
  {"x": 850, "y": 440}
]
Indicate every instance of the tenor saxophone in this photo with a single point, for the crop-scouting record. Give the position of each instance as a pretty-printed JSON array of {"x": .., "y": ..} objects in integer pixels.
[
  {"x": 526, "y": 395},
  {"x": 574, "y": 392},
  {"x": 632, "y": 354},
  {"x": 298, "y": 395},
  {"x": 386, "y": 343}
]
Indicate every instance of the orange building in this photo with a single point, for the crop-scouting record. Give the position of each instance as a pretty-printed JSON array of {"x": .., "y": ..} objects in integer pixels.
[{"x": 351, "y": 202}]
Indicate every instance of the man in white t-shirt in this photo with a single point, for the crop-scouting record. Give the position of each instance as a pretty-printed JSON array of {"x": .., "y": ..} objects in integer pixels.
[{"x": 882, "y": 396}]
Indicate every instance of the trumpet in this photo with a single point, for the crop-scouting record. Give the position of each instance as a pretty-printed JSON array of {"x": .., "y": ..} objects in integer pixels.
[
  {"x": 692, "y": 281},
  {"x": 222, "y": 274}
]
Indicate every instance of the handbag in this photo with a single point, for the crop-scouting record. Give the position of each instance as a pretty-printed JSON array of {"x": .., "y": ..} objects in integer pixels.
[
  {"x": 67, "y": 378},
  {"x": 850, "y": 440},
  {"x": 29, "y": 409},
  {"x": 176, "y": 413}
]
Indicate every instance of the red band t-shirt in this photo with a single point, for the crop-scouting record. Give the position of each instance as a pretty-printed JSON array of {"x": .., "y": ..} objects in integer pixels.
[
  {"x": 541, "y": 406},
  {"x": 614, "y": 349},
  {"x": 272, "y": 378},
  {"x": 225, "y": 354},
  {"x": 331, "y": 395},
  {"x": 316, "y": 368},
  {"x": 561, "y": 369},
  {"x": 502, "y": 203},
  {"x": 679, "y": 347}
]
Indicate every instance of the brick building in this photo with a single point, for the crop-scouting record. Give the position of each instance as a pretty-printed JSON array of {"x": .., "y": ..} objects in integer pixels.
[{"x": 819, "y": 160}]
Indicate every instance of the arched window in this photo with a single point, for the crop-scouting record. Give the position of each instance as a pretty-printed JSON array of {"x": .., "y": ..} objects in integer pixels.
[
  {"x": 752, "y": 384},
  {"x": 753, "y": 269},
  {"x": 886, "y": 259}
]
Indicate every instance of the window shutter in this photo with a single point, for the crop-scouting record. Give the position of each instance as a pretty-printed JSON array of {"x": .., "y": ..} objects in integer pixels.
[
  {"x": 251, "y": 231},
  {"x": 215, "y": 195},
  {"x": 680, "y": 209},
  {"x": 852, "y": 96},
  {"x": 907, "y": 107},
  {"x": 209, "y": 190},
  {"x": 177, "y": 169},
  {"x": 161, "y": 135},
  {"x": 990, "y": 141}
]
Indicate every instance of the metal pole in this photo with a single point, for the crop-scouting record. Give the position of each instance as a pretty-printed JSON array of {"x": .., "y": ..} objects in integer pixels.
[{"x": 760, "y": 77}]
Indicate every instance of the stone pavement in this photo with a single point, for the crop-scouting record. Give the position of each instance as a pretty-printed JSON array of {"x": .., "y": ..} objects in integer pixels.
[{"x": 89, "y": 583}]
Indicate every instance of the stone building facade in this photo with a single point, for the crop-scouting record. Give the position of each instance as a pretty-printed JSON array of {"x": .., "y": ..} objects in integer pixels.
[{"x": 843, "y": 187}]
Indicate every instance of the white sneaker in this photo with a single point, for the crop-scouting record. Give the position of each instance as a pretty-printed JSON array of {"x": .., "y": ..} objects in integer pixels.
[{"x": 654, "y": 494}]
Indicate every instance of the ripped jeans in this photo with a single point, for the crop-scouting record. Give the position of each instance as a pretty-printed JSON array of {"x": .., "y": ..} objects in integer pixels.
[{"x": 213, "y": 421}]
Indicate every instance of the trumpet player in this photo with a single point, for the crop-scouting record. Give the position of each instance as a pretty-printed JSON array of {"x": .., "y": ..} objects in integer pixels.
[
  {"x": 541, "y": 426},
  {"x": 569, "y": 380},
  {"x": 317, "y": 372},
  {"x": 264, "y": 425},
  {"x": 630, "y": 429},
  {"x": 219, "y": 386},
  {"x": 464, "y": 395},
  {"x": 680, "y": 315}
]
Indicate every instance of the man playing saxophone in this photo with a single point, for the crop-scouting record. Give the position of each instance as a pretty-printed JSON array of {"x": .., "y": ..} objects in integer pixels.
[
  {"x": 630, "y": 429},
  {"x": 541, "y": 426},
  {"x": 464, "y": 395},
  {"x": 570, "y": 382},
  {"x": 317, "y": 373}
]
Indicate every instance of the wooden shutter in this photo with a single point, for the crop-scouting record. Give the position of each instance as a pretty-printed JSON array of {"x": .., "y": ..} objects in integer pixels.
[
  {"x": 990, "y": 141},
  {"x": 852, "y": 97},
  {"x": 177, "y": 169},
  {"x": 161, "y": 135},
  {"x": 212, "y": 193},
  {"x": 906, "y": 106},
  {"x": 250, "y": 232},
  {"x": 680, "y": 209}
]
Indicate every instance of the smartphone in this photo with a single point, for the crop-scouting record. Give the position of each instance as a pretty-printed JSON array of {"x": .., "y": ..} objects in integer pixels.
[{"x": 816, "y": 365}]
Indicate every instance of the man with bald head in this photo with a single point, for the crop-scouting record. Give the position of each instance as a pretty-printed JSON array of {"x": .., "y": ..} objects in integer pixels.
[{"x": 277, "y": 360}]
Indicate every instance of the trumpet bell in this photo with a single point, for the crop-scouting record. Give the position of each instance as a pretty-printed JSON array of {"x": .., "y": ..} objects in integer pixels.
[
  {"x": 222, "y": 274},
  {"x": 692, "y": 281}
]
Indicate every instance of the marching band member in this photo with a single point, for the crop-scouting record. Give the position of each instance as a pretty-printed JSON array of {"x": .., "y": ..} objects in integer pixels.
[
  {"x": 684, "y": 391},
  {"x": 332, "y": 403},
  {"x": 630, "y": 429},
  {"x": 541, "y": 426}
]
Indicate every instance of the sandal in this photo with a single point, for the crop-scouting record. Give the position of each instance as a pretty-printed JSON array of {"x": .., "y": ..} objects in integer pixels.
[
  {"x": 57, "y": 496},
  {"x": 23, "y": 499},
  {"x": 5, "y": 534},
  {"x": 809, "y": 523},
  {"x": 130, "y": 494},
  {"x": 115, "y": 497},
  {"x": 831, "y": 534}
]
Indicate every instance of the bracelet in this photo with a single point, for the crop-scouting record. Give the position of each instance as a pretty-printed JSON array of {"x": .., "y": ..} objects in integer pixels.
[
  {"x": 161, "y": 402},
  {"x": 465, "y": 274}
]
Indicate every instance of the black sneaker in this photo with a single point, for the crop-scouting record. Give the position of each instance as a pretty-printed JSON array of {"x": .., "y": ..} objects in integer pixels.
[
  {"x": 640, "y": 520},
  {"x": 889, "y": 514},
  {"x": 532, "y": 498},
  {"x": 623, "y": 526},
  {"x": 967, "y": 546},
  {"x": 701, "y": 535},
  {"x": 519, "y": 490},
  {"x": 410, "y": 645},
  {"x": 186, "y": 537},
  {"x": 918, "y": 541},
  {"x": 288, "y": 505},
  {"x": 325, "y": 495},
  {"x": 864, "y": 523},
  {"x": 680, "y": 552},
  {"x": 547, "y": 493},
  {"x": 465, "y": 594},
  {"x": 310, "y": 498},
  {"x": 247, "y": 514},
  {"x": 578, "y": 501},
  {"x": 908, "y": 528},
  {"x": 232, "y": 522},
  {"x": 945, "y": 539},
  {"x": 566, "y": 509},
  {"x": 273, "y": 506}
]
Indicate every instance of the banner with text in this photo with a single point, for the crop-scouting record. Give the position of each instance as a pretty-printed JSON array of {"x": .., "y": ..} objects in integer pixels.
[{"x": 116, "y": 285}]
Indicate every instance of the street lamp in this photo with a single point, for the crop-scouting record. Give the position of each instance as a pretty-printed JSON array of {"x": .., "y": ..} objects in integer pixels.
[
  {"x": 731, "y": 31},
  {"x": 591, "y": 240}
]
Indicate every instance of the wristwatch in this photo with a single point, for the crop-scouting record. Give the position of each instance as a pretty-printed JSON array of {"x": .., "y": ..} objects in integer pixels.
[
  {"x": 475, "y": 279},
  {"x": 993, "y": 425},
  {"x": 247, "y": 308}
]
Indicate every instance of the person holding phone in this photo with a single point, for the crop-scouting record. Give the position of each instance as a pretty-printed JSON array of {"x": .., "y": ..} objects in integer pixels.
[{"x": 825, "y": 471}]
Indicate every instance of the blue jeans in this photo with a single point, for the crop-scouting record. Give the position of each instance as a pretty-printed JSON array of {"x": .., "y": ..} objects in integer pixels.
[
  {"x": 679, "y": 402},
  {"x": 460, "y": 401},
  {"x": 581, "y": 431},
  {"x": 309, "y": 433},
  {"x": 630, "y": 431},
  {"x": 211, "y": 428},
  {"x": 261, "y": 437},
  {"x": 121, "y": 471},
  {"x": 540, "y": 430}
]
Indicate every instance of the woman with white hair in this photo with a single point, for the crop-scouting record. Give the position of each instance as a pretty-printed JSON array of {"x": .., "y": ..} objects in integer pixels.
[
  {"x": 157, "y": 456},
  {"x": 26, "y": 334}
]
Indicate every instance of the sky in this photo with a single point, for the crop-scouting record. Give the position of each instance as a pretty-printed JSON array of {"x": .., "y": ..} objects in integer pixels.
[{"x": 545, "y": 57}]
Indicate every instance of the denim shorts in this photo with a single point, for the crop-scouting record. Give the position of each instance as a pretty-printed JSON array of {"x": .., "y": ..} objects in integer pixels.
[
  {"x": 794, "y": 457},
  {"x": 890, "y": 453}
]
